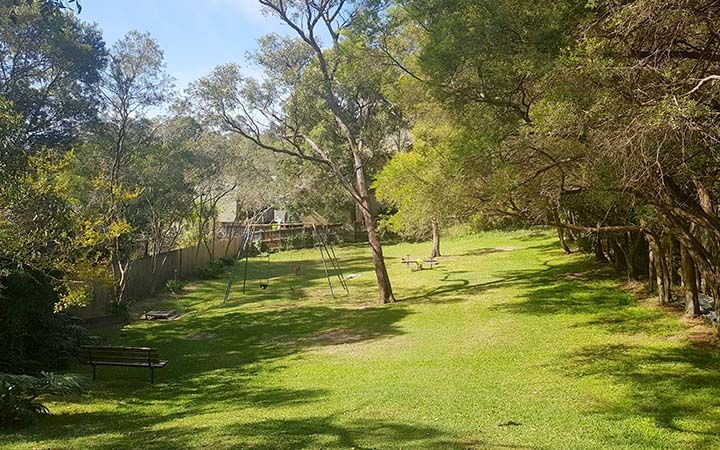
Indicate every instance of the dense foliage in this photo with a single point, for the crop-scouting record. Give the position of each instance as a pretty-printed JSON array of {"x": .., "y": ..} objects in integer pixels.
[
  {"x": 18, "y": 395},
  {"x": 598, "y": 118}
]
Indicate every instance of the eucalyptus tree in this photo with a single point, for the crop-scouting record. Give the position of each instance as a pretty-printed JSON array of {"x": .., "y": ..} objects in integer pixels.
[
  {"x": 165, "y": 172},
  {"x": 50, "y": 67},
  {"x": 133, "y": 82},
  {"x": 320, "y": 102}
]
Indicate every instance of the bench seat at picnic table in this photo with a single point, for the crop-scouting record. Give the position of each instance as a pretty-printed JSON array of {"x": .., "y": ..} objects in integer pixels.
[{"x": 122, "y": 357}]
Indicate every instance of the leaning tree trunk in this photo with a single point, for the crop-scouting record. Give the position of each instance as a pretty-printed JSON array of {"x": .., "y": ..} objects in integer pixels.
[
  {"x": 561, "y": 237},
  {"x": 692, "y": 303},
  {"x": 597, "y": 247},
  {"x": 662, "y": 273},
  {"x": 618, "y": 257},
  {"x": 436, "y": 239},
  {"x": 383, "y": 280}
]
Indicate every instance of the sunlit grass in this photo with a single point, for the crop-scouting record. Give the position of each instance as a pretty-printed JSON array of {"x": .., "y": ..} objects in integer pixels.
[{"x": 508, "y": 344}]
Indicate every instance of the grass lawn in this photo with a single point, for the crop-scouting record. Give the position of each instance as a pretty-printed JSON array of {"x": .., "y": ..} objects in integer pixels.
[{"x": 508, "y": 344}]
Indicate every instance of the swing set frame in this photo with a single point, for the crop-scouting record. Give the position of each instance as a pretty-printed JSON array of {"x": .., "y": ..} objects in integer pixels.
[{"x": 321, "y": 241}]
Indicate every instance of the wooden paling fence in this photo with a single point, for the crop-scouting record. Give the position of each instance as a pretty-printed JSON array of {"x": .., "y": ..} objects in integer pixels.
[{"x": 148, "y": 275}]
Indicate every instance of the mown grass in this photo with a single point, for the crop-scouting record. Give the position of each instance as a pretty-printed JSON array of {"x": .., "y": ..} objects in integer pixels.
[{"x": 508, "y": 344}]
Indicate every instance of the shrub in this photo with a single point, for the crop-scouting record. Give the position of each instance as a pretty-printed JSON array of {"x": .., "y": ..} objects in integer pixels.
[
  {"x": 258, "y": 247},
  {"x": 212, "y": 270},
  {"x": 174, "y": 286},
  {"x": 119, "y": 310},
  {"x": 298, "y": 241},
  {"x": 227, "y": 261},
  {"x": 33, "y": 337},
  {"x": 18, "y": 395}
]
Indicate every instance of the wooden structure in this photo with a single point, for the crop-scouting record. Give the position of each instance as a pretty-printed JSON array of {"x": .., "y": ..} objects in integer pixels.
[{"x": 143, "y": 357}]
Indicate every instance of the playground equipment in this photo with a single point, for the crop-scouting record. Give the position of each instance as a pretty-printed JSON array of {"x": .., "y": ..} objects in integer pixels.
[
  {"x": 420, "y": 263},
  {"x": 324, "y": 244},
  {"x": 247, "y": 237},
  {"x": 321, "y": 241}
]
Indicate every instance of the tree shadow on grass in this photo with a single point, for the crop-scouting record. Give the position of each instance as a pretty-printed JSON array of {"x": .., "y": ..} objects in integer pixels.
[
  {"x": 678, "y": 388},
  {"x": 573, "y": 287},
  {"x": 213, "y": 375},
  {"x": 332, "y": 432},
  {"x": 319, "y": 431}
]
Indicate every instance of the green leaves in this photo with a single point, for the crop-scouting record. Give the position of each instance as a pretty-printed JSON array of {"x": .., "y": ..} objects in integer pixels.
[{"x": 18, "y": 393}]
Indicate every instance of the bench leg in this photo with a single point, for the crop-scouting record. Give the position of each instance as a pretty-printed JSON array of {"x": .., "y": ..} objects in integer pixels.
[
  {"x": 93, "y": 372},
  {"x": 152, "y": 376}
]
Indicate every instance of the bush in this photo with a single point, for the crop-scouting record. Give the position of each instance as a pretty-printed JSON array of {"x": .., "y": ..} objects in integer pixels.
[
  {"x": 120, "y": 311},
  {"x": 174, "y": 286},
  {"x": 18, "y": 395},
  {"x": 33, "y": 337},
  {"x": 258, "y": 247},
  {"x": 298, "y": 241},
  {"x": 212, "y": 270},
  {"x": 227, "y": 261}
]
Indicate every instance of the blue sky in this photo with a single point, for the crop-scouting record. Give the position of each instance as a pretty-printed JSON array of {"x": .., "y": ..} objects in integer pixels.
[{"x": 196, "y": 35}]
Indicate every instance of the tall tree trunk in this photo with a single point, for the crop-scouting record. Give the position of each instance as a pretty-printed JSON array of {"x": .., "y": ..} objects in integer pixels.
[
  {"x": 630, "y": 253},
  {"x": 673, "y": 257},
  {"x": 436, "y": 239},
  {"x": 383, "y": 279},
  {"x": 692, "y": 304},
  {"x": 711, "y": 283},
  {"x": 618, "y": 257}
]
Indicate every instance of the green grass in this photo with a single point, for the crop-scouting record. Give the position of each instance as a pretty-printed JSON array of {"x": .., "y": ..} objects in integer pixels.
[{"x": 508, "y": 344}]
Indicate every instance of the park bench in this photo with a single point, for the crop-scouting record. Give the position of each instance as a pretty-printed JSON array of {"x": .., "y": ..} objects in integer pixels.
[{"x": 122, "y": 357}]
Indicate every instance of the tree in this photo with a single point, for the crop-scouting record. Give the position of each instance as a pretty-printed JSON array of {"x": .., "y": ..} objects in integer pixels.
[
  {"x": 133, "y": 82},
  {"x": 602, "y": 122},
  {"x": 165, "y": 170},
  {"x": 50, "y": 66},
  {"x": 323, "y": 105},
  {"x": 425, "y": 184},
  {"x": 48, "y": 255}
]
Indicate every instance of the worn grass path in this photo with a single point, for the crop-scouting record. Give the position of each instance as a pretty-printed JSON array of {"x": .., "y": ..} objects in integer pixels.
[{"x": 508, "y": 344}]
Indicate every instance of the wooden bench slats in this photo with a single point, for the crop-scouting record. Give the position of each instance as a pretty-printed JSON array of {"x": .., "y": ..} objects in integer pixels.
[
  {"x": 106, "y": 358},
  {"x": 156, "y": 365},
  {"x": 121, "y": 350},
  {"x": 110, "y": 352}
]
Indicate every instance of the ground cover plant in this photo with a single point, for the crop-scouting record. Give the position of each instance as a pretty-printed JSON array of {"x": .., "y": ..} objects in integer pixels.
[{"x": 509, "y": 343}]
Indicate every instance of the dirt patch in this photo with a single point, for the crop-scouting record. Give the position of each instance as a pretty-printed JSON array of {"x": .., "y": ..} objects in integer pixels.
[{"x": 702, "y": 333}]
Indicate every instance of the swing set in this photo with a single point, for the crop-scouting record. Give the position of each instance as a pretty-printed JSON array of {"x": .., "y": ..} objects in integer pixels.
[{"x": 321, "y": 240}]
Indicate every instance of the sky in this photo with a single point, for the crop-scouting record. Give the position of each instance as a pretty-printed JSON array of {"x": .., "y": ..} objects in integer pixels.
[{"x": 196, "y": 35}]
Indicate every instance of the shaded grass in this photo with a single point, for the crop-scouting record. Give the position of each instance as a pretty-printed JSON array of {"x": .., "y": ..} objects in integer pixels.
[{"x": 507, "y": 344}]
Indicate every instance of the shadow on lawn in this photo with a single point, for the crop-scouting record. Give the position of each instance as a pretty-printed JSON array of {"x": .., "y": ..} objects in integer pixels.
[
  {"x": 215, "y": 375},
  {"x": 270, "y": 434},
  {"x": 454, "y": 287},
  {"x": 330, "y": 432},
  {"x": 676, "y": 386}
]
